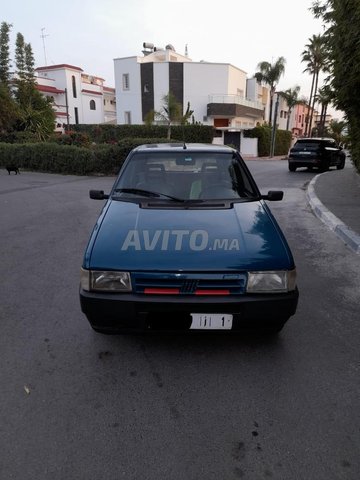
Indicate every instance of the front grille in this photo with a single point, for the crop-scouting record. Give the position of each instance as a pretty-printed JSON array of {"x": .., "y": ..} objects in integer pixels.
[{"x": 189, "y": 283}]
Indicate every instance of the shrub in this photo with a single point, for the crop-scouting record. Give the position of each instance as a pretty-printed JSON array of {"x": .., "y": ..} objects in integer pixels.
[
  {"x": 69, "y": 159},
  {"x": 114, "y": 133},
  {"x": 79, "y": 139},
  {"x": 263, "y": 134},
  {"x": 48, "y": 157}
]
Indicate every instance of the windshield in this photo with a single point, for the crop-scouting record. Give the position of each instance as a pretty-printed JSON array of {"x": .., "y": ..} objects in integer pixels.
[{"x": 185, "y": 176}]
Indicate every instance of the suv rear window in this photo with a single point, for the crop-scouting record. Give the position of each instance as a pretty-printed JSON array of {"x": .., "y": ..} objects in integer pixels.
[
  {"x": 308, "y": 144},
  {"x": 314, "y": 144}
]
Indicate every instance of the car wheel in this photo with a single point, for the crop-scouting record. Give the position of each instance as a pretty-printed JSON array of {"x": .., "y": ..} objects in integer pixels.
[
  {"x": 292, "y": 168},
  {"x": 341, "y": 165},
  {"x": 324, "y": 167}
]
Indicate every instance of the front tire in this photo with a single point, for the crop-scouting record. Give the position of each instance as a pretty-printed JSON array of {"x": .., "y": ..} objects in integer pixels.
[{"x": 292, "y": 168}]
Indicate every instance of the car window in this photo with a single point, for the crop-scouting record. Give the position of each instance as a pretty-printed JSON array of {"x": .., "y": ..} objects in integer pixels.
[
  {"x": 308, "y": 145},
  {"x": 186, "y": 175}
]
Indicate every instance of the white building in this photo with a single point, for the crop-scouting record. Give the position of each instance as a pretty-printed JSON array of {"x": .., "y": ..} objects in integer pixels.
[
  {"x": 216, "y": 91},
  {"x": 78, "y": 97}
]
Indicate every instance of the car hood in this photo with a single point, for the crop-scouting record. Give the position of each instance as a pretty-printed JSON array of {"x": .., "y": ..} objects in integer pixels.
[{"x": 244, "y": 237}]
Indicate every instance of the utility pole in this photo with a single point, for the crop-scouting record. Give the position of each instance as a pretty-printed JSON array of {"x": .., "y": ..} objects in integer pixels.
[{"x": 43, "y": 35}]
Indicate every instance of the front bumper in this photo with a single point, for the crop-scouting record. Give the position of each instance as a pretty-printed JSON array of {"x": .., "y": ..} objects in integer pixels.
[{"x": 137, "y": 312}]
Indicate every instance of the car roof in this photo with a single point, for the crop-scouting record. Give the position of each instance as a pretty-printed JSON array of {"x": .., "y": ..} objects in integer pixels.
[{"x": 181, "y": 147}]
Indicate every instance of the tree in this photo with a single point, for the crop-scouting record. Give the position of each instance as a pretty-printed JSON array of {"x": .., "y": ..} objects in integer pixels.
[
  {"x": 324, "y": 97},
  {"x": 270, "y": 75},
  {"x": 291, "y": 96},
  {"x": 9, "y": 112},
  {"x": 36, "y": 113},
  {"x": 29, "y": 64},
  {"x": 37, "y": 116},
  {"x": 341, "y": 21},
  {"x": 187, "y": 115},
  {"x": 170, "y": 112},
  {"x": 336, "y": 129},
  {"x": 25, "y": 74},
  {"x": 315, "y": 56},
  {"x": 5, "y": 64}
]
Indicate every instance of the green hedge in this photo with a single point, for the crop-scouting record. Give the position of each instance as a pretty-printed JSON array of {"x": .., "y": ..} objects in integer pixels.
[
  {"x": 68, "y": 159},
  {"x": 114, "y": 133},
  {"x": 263, "y": 134}
]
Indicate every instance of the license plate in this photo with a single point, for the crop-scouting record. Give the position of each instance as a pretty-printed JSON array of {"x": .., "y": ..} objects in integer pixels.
[
  {"x": 211, "y": 321},
  {"x": 304, "y": 153}
]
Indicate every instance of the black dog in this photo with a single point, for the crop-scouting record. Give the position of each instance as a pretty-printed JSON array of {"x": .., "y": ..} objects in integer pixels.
[{"x": 12, "y": 168}]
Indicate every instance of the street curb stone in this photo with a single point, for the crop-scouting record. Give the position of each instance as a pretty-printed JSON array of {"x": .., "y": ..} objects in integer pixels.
[{"x": 348, "y": 236}]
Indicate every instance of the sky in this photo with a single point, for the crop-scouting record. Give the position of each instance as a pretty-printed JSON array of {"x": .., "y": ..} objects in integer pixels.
[{"x": 91, "y": 34}]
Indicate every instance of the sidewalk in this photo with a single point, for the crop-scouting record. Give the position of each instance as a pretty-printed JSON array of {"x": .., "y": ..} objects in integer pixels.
[{"x": 334, "y": 197}]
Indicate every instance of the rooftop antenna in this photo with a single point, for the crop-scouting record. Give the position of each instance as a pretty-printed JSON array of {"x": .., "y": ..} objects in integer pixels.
[
  {"x": 186, "y": 50},
  {"x": 43, "y": 35}
]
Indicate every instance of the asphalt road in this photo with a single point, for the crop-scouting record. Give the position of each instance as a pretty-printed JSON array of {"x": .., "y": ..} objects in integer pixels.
[{"x": 78, "y": 405}]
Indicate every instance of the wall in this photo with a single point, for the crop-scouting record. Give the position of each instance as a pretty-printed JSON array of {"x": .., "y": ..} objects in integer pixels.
[
  {"x": 236, "y": 81},
  {"x": 200, "y": 81},
  {"x": 128, "y": 100}
]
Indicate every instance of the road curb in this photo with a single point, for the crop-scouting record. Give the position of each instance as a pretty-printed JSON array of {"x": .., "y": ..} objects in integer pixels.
[{"x": 348, "y": 236}]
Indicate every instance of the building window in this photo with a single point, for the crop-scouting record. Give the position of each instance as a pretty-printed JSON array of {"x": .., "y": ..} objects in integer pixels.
[
  {"x": 92, "y": 105},
  {"x": 73, "y": 80},
  {"x": 127, "y": 116},
  {"x": 76, "y": 115},
  {"x": 126, "y": 81}
]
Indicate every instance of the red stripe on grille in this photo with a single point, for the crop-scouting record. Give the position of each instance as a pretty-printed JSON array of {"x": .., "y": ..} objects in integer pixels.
[
  {"x": 162, "y": 291},
  {"x": 212, "y": 292}
]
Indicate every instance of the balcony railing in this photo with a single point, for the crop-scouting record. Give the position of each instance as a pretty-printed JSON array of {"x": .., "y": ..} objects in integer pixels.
[{"x": 235, "y": 99}]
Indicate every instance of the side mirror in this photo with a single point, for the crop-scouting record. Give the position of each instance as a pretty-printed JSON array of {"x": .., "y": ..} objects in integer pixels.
[
  {"x": 273, "y": 195},
  {"x": 98, "y": 195}
]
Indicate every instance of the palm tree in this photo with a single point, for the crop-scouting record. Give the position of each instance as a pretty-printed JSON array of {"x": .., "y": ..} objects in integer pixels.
[
  {"x": 324, "y": 97},
  {"x": 270, "y": 75},
  {"x": 291, "y": 96},
  {"x": 314, "y": 56},
  {"x": 170, "y": 112},
  {"x": 187, "y": 115}
]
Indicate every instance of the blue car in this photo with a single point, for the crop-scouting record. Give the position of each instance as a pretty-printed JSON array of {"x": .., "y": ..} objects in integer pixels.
[{"x": 186, "y": 241}]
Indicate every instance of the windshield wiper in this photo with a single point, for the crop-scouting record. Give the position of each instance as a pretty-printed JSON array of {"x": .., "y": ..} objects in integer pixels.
[{"x": 147, "y": 193}]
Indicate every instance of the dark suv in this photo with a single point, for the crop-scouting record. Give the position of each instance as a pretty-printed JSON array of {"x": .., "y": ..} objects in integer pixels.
[{"x": 321, "y": 153}]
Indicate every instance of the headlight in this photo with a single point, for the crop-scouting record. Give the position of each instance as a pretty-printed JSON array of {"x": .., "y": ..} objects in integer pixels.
[
  {"x": 105, "y": 281},
  {"x": 271, "y": 282}
]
